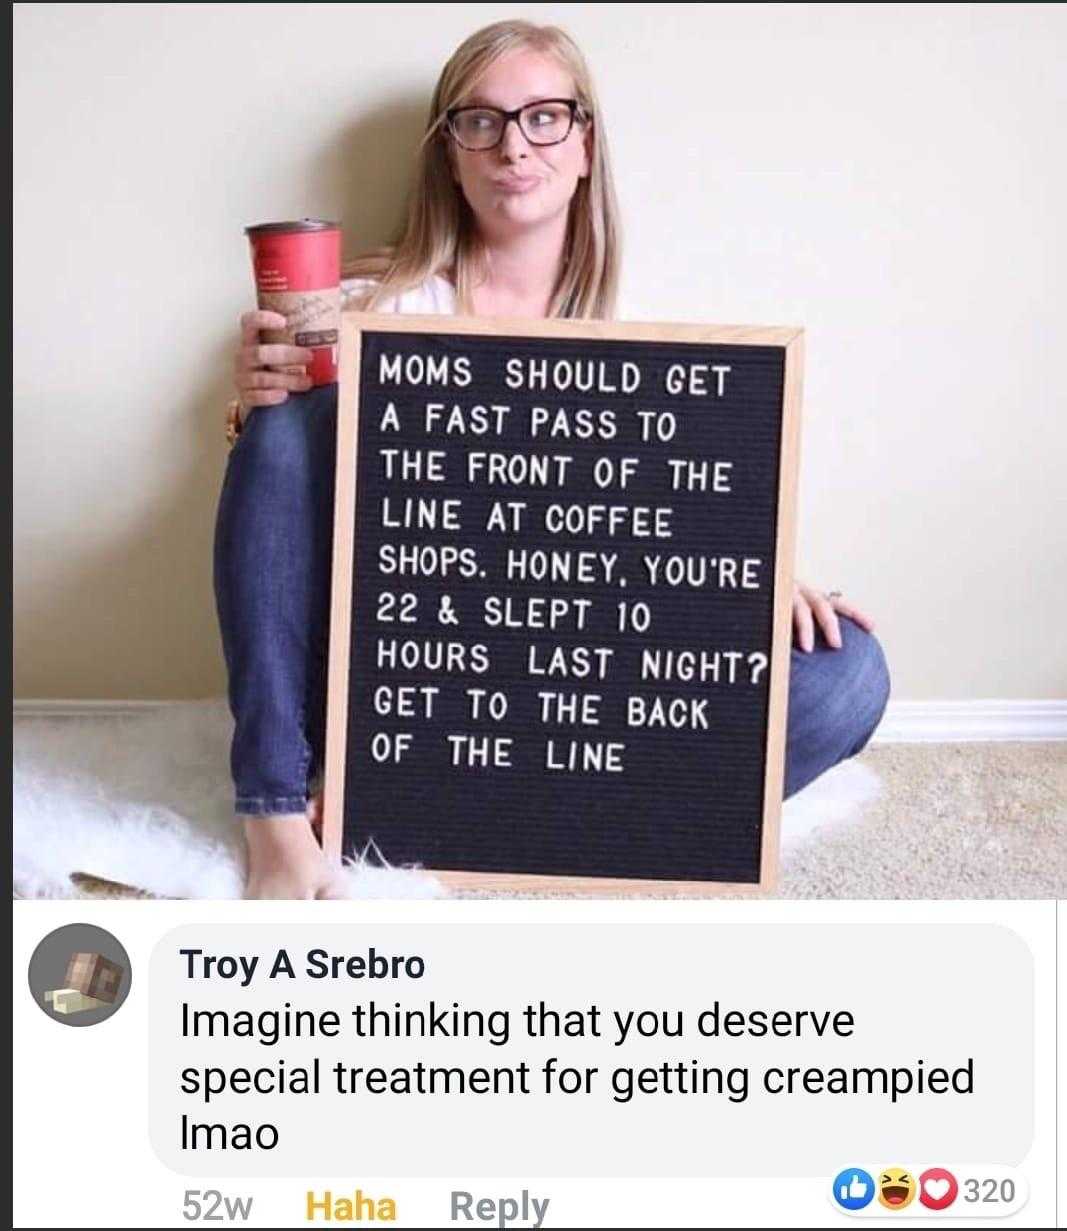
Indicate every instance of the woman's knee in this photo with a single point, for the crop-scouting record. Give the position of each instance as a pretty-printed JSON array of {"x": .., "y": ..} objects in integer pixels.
[
  {"x": 291, "y": 439},
  {"x": 865, "y": 680},
  {"x": 276, "y": 502},
  {"x": 836, "y": 700}
]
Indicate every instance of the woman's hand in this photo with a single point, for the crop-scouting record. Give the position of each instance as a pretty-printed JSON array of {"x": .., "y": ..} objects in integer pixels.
[
  {"x": 259, "y": 367},
  {"x": 811, "y": 605}
]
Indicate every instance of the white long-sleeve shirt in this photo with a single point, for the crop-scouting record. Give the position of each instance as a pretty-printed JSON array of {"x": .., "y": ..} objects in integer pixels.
[{"x": 436, "y": 297}]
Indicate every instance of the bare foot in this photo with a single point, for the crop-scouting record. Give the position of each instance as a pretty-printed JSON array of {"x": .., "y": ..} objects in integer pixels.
[
  {"x": 315, "y": 814},
  {"x": 285, "y": 860}
]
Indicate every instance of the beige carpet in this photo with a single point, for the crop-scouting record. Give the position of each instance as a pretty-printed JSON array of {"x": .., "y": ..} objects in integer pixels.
[{"x": 953, "y": 821}]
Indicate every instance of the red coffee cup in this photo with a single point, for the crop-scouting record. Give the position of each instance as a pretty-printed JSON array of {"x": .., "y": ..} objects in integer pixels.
[{"x": 298, "y": 273}]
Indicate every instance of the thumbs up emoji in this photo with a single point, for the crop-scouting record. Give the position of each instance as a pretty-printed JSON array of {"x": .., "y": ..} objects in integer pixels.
[
  {"x": 853, "y": 1189},
  {"x": 856, "y": 1189}
]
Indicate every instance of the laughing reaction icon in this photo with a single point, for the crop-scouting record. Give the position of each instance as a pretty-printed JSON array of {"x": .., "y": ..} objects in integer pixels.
[{"x": 896, "y": 1188}]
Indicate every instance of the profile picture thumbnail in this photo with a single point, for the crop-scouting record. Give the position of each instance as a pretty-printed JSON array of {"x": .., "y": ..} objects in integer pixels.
[{"x": 79, "y": 974}]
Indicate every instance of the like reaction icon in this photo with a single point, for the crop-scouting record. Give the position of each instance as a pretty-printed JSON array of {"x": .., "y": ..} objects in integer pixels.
[
  {"x": 853, "y": 1189},
  {"x": 937, "y": 1188}
]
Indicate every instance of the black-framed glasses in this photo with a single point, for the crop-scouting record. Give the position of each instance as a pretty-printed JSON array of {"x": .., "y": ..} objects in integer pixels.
[{"x": 546, "y": 122}]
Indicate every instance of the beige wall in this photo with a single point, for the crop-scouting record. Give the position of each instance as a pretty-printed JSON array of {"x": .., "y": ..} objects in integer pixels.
[{"x": 893, "y": 178}]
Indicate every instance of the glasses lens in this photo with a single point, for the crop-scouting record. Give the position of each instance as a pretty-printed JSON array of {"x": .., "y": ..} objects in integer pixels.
[
  {"x": 477, "y": 129},
  {"x": 546, "y": 123}
]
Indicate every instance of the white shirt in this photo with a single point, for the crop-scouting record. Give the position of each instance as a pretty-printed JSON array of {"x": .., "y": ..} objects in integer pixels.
[{"x": 436, "y": 297}]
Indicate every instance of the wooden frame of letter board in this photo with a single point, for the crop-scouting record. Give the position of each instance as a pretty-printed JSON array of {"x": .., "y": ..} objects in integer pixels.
[{"x": 353, "y": 325}]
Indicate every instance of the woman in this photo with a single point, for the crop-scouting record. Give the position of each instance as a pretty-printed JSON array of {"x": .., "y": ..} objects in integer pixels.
[{"x": 513, "y": 214}]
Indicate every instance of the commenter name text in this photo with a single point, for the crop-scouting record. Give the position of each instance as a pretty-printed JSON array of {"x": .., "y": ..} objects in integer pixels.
[{"x": 314, "y": 964}]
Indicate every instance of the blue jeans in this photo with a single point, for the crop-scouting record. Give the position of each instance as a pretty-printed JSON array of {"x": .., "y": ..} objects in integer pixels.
[{"x": 273, "y": 545}]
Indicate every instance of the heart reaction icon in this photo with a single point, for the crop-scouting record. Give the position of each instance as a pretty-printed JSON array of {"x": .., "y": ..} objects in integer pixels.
[{"x": 937, "y": 1188}]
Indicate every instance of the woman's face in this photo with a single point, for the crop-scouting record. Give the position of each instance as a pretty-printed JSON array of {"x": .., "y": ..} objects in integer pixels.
[{"x": 518, "y": 186}]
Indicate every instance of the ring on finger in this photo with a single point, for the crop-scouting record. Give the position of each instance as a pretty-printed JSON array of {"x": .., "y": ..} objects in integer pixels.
[{"x": 832, "y": 594}]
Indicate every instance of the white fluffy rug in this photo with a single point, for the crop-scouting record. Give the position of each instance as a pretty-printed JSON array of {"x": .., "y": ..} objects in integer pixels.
[{"x": 146, "y": 801}]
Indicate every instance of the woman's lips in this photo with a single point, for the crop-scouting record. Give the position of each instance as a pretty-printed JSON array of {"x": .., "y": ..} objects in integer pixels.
[{"x": 517, "y": 184}]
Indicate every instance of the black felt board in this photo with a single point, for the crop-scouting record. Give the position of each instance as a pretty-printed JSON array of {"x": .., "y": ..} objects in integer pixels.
[{"x": 689, "y": 803}]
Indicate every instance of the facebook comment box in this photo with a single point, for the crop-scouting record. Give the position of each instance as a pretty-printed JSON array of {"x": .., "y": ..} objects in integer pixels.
[{"x": 587, "y": 1049}]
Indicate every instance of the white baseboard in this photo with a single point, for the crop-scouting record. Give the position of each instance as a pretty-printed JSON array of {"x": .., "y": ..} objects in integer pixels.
[
  {"x": 968, "y": 722},
  {"x": 905, "y": 722},
  {"x": 31, "y": 708}
]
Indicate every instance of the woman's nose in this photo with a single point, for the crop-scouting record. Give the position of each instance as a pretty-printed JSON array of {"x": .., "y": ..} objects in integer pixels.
[{"x": 513, "y": 144}]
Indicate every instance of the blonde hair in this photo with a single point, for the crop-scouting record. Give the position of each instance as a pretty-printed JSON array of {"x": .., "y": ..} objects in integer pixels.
[{"x": 440, "y": 234}]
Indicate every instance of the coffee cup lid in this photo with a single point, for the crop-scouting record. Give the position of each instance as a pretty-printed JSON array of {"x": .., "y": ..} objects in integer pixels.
[{"x": 300, "y": 224}]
